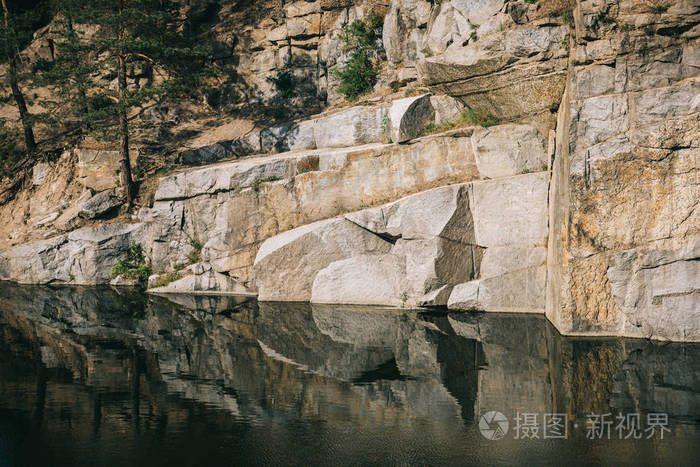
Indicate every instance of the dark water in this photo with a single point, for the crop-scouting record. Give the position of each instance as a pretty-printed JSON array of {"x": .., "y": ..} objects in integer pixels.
[{"x": 89, "y": 376}]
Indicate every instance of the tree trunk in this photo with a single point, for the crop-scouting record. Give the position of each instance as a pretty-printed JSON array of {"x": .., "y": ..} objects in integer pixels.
[
  {"x": 29, "y": 140},
  {"x": 124, "y": 162}
]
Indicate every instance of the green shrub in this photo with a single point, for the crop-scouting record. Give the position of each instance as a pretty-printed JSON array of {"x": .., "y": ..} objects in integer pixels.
[
  {"x": 133, "y": 268},
  {"x": 359, "y": 74},
  {"x": 285, "y": 83},
  {"x": 165, "y": 279},
  {"x": 658, "y": 7},
  {"x": 531, "y": 2}
]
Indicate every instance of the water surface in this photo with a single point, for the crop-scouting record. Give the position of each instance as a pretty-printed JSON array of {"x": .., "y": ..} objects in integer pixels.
[{"x": 91, "y": 376}]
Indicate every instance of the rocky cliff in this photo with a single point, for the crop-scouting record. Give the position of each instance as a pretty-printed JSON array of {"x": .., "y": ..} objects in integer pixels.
[{"x": 516, "y": 156}]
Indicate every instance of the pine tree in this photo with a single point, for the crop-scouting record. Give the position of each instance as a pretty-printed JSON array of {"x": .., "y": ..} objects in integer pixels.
[
  {"x": 149, "y": 33},
  {"x": 10, "y": 43},
  {"x": 69, "y": 74}
]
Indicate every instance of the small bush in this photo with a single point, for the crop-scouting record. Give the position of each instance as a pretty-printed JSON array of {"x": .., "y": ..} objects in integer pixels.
[
  {"x": 658, "y": 7},
  {"x": 165, "y": 279},
  {"x": 626, "y": 27},
  {"x": 359, "y": 74},
  {"x": 285, "y": 83},
  {"x": 133, "y": 268},
  {"x": 531, "y": 2}
]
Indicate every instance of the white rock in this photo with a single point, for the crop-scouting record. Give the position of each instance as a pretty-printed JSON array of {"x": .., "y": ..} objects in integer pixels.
[
  {"x": 506, "y": 150},
  {"x": 478, "y": 11},
  {"x": 287, "y": 264},
  {"x": 352, "y": 127},
  {"x": 510, "y": 211},
  {"x": 448, "y": 26},
  {"x": 39, "y": 173}
]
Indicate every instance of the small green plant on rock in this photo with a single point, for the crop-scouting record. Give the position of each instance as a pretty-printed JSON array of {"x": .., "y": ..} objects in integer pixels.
[
  {"x": 468, "y": 117},
  {"x": 404, "y": 298},
  {"x": 164, "y": 279},
  {"x": 658, "y": 7},
  {"x": 626, "y": 27},
  {"x": 135, "y": 267},
  {"x": 195, "y": 256}
]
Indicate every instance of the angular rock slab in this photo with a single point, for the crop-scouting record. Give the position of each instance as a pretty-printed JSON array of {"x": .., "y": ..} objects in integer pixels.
[
  {"x": 426, "y": 214},
  {"x": 100, "y": 205},
  {"x": 511, "y": 279},
  {"x": 352, "y": 127},
  {"x": 506, "y": 150},
  {"x": 433, "y": 250},
  {"x": 84, "y": 256},
  {"x": 409, "y": 117},
  {"x": 510, "y": 211},
  {"x": 287, "y": 264}
]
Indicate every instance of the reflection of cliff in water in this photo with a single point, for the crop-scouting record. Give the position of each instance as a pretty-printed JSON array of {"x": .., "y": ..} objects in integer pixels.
[{"x": 268, "y": 361}]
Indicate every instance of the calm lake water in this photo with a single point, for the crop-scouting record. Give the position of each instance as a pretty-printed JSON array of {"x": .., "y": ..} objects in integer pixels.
[{"x": 91, "y": 376}]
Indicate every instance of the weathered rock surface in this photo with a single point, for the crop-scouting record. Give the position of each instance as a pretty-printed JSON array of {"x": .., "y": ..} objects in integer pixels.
[
  {"x": 624, "y": 195},
  {"x": 514, "y": 74},
  {"x": 84, "y": 256},
  {"x": 233, "y": 207},
  {"x": 102, "y": 204},
  {"x": 99, "y": 169},
  {"x": 508, "y": 150},
  {"x": 287, "y": 264}
]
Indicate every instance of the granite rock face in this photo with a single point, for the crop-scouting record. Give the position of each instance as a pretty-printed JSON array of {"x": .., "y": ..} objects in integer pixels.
[
  {"x": 286, "y": 265},
  {"x": 624, "y": 197},
  {"x": 490, "y": 235},
  {"x": 232, "y": 208},
  {"x": 84, "y": 256},
  {"x": 431, "y": 241}
]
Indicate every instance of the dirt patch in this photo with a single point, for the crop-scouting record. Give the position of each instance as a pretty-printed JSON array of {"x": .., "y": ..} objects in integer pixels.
[{"x": 227, "y": 131}]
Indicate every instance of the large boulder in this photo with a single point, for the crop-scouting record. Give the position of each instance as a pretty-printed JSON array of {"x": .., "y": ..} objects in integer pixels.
[
  {"x": 287, "y": 264},
  {"x": 404, "y": 30},
  {"x": 511, "y": 223},
  {"x": 433, "y": 249},
  {"x": 448, "y": 27},
  {"x": 101, "y": 205},
  {"x": 447, "y": 109},
  {"x": 352, "y": 127},
  {"x": 511, "y": 279},
  {"x": 409, "y": 117}
]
